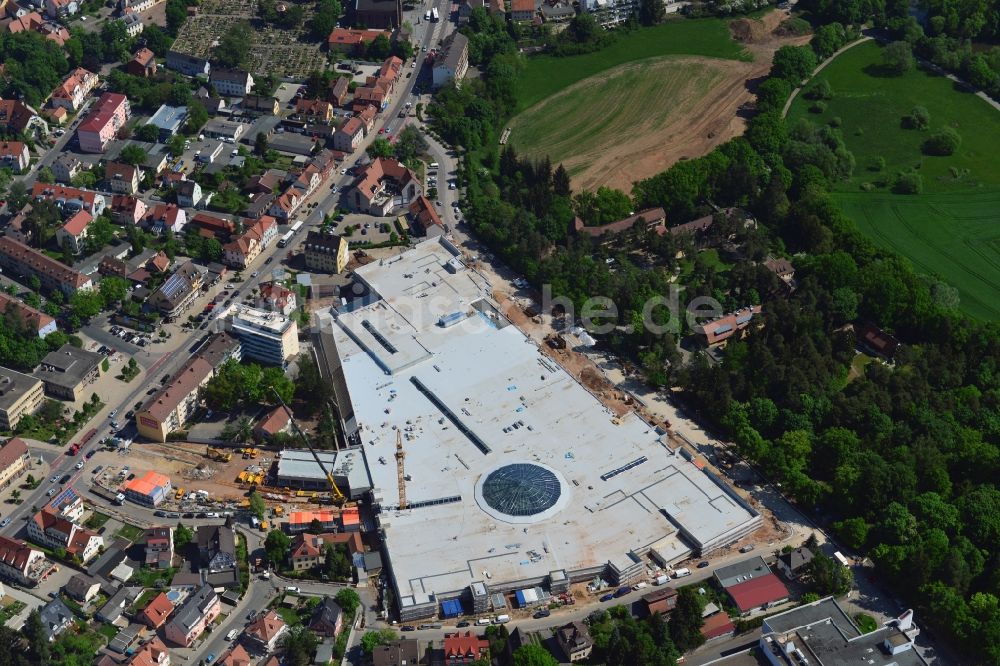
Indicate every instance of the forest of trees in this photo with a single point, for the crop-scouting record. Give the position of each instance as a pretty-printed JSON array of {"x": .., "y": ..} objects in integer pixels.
[{"x": 900, "y": 461}]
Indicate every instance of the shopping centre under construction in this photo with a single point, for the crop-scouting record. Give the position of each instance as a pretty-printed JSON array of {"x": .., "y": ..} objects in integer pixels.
[{"x": 513, "y": 474}]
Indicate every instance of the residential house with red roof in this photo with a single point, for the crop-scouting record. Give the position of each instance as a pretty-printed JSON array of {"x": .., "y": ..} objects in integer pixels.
[
  {"x": 235, "y": 656},
  {"x": 212, "y": 226},
  {"x": 22, "y": 563},
  {"x": 153, "y": 653},
  {"x": 284, "y": 206},
  {"x": 19, "y": 259},
  {"x": 165, "y": 216},
  {"x": 240, "y": 252},
  {"x": 122, "y": 178},
  {"x": 51, "y": 530},
  {"x": 721, "y": 329},
  {"x": 423, "y": 214},
  {"x": 369, "y": 95},
  {"x": 353, "y": 41},
  {"x": 102, "y": 124},
  {"x": 34, "y": 22},
  {"x": 306, "y": 550},
  {"x": 13, "y": 461},
  {"x": 127, "y": 209},
  {"x": 758, "y": 593},
  {"x": 265, "y": 632},
  {"x": 272, "y": 423},
  {"x": 349, "y": 135},
  {"x": 276, "y": 298},
  {"x": 522, "y": 11},
  {"x": 465, "y": 648},
  {"x": 74, "y": 232},
  {"x": 26, "y": 316},
  {"x": 14, "y": 155},
  {"x": 381, "y": 184},
  {"x": 717, "y": 625},
  {"x": 367, "y": 116},
  {"x": 875, "y": 340},
  {"x": 307, "y": 180},
  {"x": 69, "y": 199},
  {"x": 314, "y": 110},
  {"x": 156, "y": 612},
  {"x": 142, "y": 64},
  {"x": 73, "y": 91}
]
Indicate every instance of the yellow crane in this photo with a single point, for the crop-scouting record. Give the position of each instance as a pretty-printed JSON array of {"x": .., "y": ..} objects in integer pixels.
[
  {"x": 400, "y": 474},
  {"x": 334, "y": 490}
]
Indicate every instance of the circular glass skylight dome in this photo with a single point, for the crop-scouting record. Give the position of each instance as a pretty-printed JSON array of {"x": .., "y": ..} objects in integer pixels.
[{"x": 521, "y": 492}]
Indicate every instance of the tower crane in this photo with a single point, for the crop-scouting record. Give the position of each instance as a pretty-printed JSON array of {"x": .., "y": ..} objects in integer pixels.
[
  {"x": 334, "y": 490},
  {"x": 400, "y": 474}
]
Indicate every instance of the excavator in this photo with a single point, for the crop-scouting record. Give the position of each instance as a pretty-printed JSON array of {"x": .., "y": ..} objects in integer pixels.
[{"x": 338, "y": 496}]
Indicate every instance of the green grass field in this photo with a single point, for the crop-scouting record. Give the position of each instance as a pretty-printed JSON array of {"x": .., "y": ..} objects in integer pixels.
[
  {"x": 547, "y": 75},
  {"x": 954, "y": 236},
  {"x": 871, "y": 107},
  {"x": 950, "y": 230},
  {"x": 618, "y": 105}
]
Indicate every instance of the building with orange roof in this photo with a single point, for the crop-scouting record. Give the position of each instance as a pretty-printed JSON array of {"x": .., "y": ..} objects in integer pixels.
[
  {"x": 101, "y": 126},
  {"x": 236, "y": 656},
  {"x": 274, "y": 422},
  {"x": 71, "y": 93},
  {"x": 422, "y": 212},
  {"x": 26, "y": 316},
  {"x": 308, "y": 550},
  {"x": 465, "y": 648},
  {"x": 265, "y": 632},
  {"x": 20, "y": 259},
  {"x": 47, "y": 528},
  {"x": 143, "y": 64},
  {"x": 153, "y": 653},
  {"x": 74, "y": 232},
  {"x": 378, "y": 186},
  {"x": 353, "y": 40},
  {"x": 300, "y": 521},
  {"x": 350, "y": 519},
  {"x": 149, "y": 489},
  {"x": 14, "y": 155},
  {"x": 157, "y": 611}
]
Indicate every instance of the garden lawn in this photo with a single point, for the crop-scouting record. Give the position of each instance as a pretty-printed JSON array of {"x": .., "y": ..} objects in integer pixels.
[
  {"x": 546, "y": 75},
  {"x": 954, "y": 236},
  {"x": 130, "y": 532},
  {"x": 871, "y": 106}
]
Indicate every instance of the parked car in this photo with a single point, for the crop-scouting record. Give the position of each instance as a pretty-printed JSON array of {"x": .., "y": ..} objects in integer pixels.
[
  {"x": 622, "y": 591},
  {"x": 747, "y": 548},
  {"x": 79, "y": 465},
  {"x": 407, "y": 627},
  {"x": 5, "y": 522},
  {"x": 545, "y": 612},
  {"x": 97, "y": 469},
  {"x": 54, "y": 479},
  {"x": 702, "y": 565},
  {"x": 293, "y": 589},
  {"x": 607, "y": 597},
  {"x": 90, "y": 454},
  {"x": 462, "y": 625}
]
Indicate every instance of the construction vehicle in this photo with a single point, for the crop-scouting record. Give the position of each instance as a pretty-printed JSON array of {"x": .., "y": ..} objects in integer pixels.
[
  {"x": 219, "y": 455},
  {"x": 279, "y": 510},
  {"x": 179, "y": 494},
  {"x": 338, "y": 496}
]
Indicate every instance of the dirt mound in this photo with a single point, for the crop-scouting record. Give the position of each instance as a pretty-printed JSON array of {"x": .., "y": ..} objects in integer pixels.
[{"x": 748, "y": 31}]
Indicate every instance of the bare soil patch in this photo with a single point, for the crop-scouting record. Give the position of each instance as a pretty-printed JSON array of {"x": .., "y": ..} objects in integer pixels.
[{"x": 714, "y": 120}]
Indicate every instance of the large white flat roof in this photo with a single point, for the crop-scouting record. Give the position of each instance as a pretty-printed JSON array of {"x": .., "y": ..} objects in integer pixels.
[{"x": 476, "y": 394}]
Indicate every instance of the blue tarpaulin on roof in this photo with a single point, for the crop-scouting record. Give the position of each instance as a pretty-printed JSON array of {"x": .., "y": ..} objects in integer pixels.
[
  {"x": 451, "y": 608},
  {"x": 520, "y": 598}
]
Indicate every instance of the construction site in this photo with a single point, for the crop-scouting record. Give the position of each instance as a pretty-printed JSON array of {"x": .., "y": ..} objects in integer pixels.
[{"x": 491, "y": 467}]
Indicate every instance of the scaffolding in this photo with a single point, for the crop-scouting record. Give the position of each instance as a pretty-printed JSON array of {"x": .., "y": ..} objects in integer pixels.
[{"x": 400, "y": 473}]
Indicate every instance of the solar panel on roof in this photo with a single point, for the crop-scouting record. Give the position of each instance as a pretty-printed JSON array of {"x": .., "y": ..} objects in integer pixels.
[
  {"x": 742, "y": 319},
  {"x": 723, "y": 328}
]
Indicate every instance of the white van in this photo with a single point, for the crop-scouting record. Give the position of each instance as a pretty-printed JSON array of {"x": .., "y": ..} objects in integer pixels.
[
  {"x": 233, "y": 633},
  {"x": 502, "y": 619},
  {"x": 483, "y": 620},
  {"x": 680, "y": 573},
  {"x": 292, "y": 589},
  {"x": 432, "y": 165}
]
